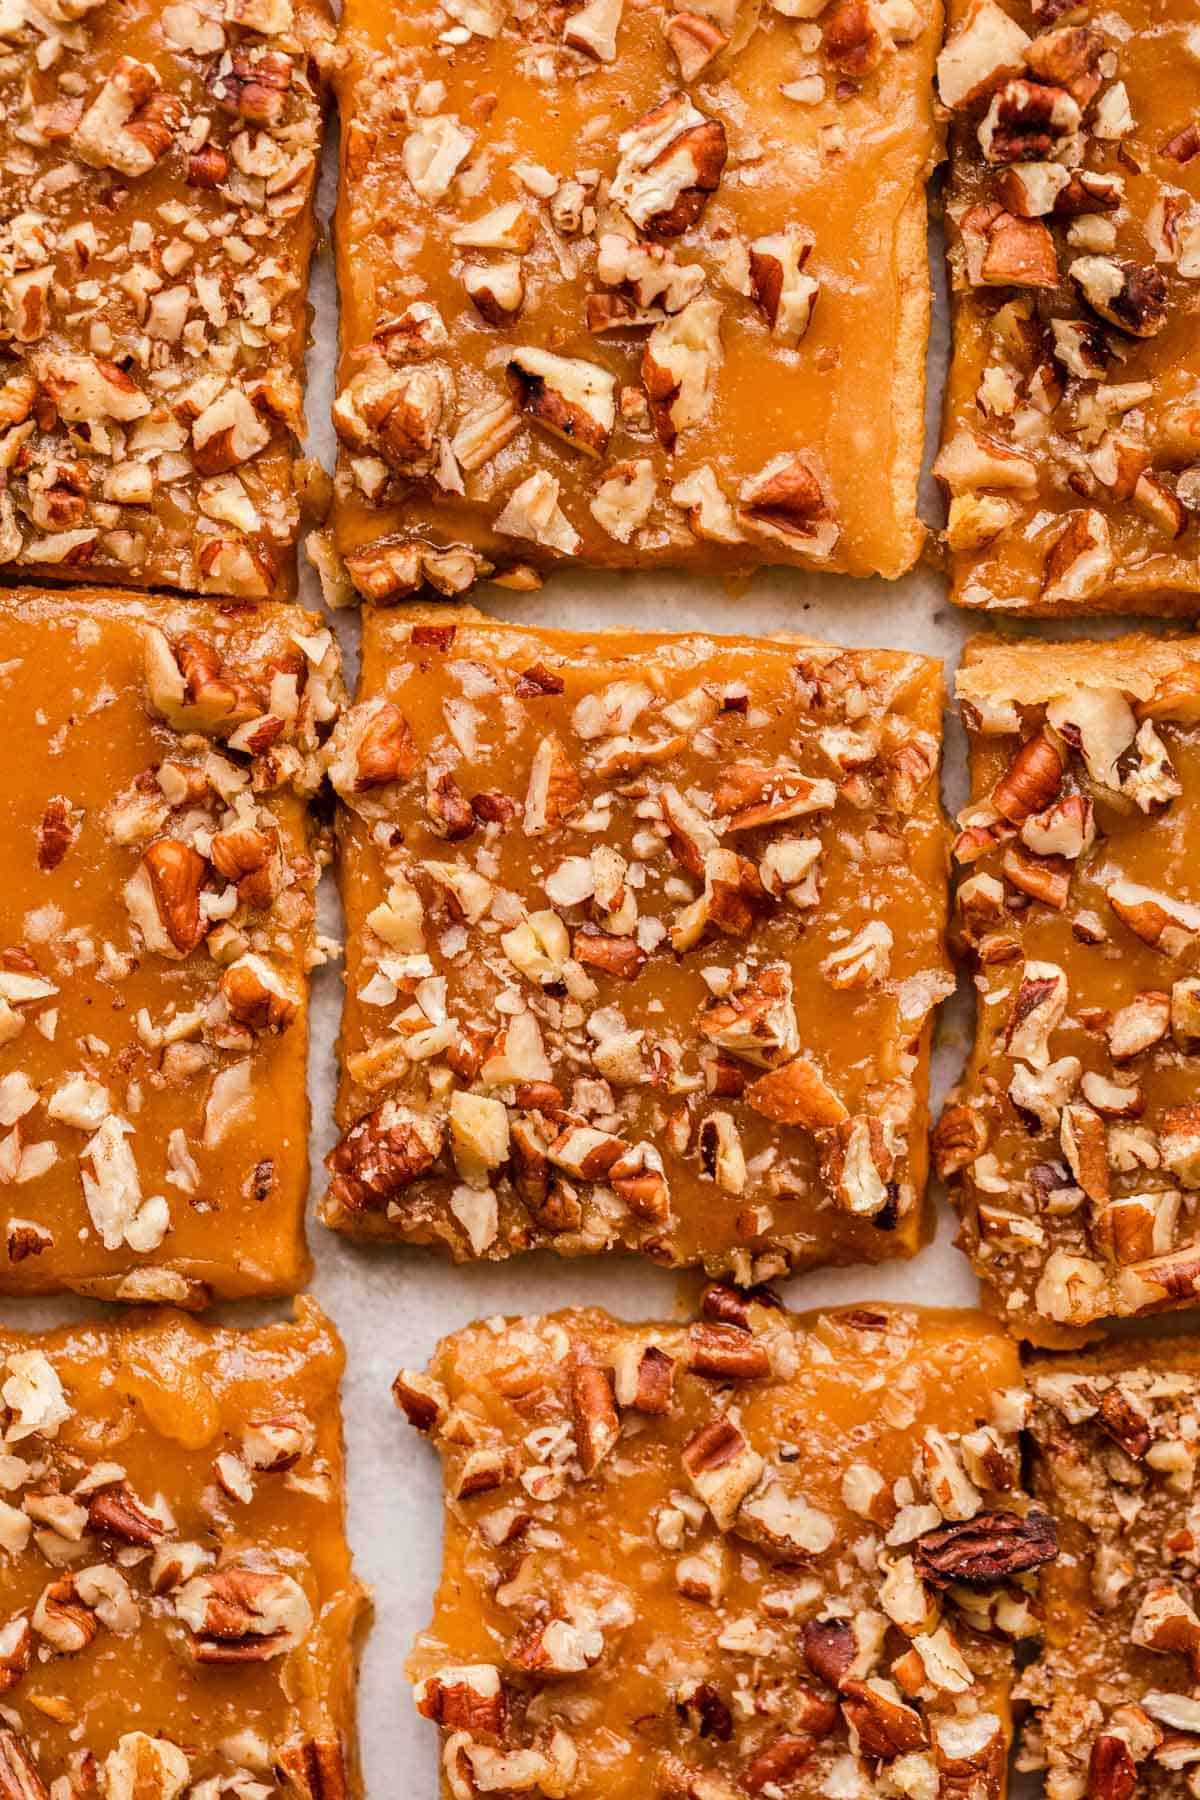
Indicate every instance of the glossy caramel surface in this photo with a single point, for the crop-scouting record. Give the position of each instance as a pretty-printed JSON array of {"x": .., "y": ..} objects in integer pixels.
[
  {"x": 154, "y": 1134},
  {"x": 749, "y": 1153},
  {"x": 840, "y": 153},
  {"x": 727, "y": 1630},
  {"x": 146, "y": 1466}
]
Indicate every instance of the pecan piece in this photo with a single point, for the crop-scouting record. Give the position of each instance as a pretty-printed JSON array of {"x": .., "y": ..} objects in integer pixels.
[
  {"x": 1130, "y": 295},
  {"x": 387, "y": 1150},
  {"x": 779, "y": 1762},
  {"x": 19, "y": 1779},
  {"x": 597, "y": 1426},
  {"x": 252, "y": 83},
  {"x": 314, "y": 1768},
  {"x": 886, "y": 1726},
  {"x": 56, "y": 833},
  {"x": 989, "y": 1548},
  {"x": 117, "y": 1512},
  {"x": 1027, "y": 122},
  {"x": 726, "y": 1353},
  {"x": 829, "y": 1648},
  {"x": 163, "y": 897},
  {"x": 238, "y": 1615},
  {"x": 1112, "y": 1773},
  {"x": 671, "y": 161}
]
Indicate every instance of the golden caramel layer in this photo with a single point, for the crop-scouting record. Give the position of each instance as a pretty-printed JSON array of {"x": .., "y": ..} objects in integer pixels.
[
  {"x": 645, "y": 940},
  {"x": 179, "y": 1610},
  {"x": 1072, "y": 435},
  {"x": 157, "y": 169},
  {"x": 1115, "y": 1436},
  {"x": 156, "y": 933},
  {"x": 630, "y": 285},
  {"x": 1075, "y": 1142},
  {"x": 759, "y": 1554}
]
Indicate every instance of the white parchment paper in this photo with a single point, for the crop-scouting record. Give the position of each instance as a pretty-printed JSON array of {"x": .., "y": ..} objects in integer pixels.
[{"x": 392, "y": 1304}]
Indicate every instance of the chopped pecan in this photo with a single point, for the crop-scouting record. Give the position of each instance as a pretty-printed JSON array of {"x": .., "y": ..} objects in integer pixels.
[
  {"x": 1027, "y": 122},
  {"x": 61, "y": 1618},
  {"x": 571, "y": 397},
  {"x": 722, "y": 1468},
  {"x": 671, "y": 161},
  {"x": 618, "y": 956},
  {"x": 314, "y": 1768},
  {"x": 853, "y": 40},
  {"x": 467, "y": 1698},
  {"x": 1112, "y": 1773},
  {"x": 1123, "y": 1422},
  {"x": 991, "y": 1547},
  {"x": 249, "y": 858},
  {"x": 118, "y": 1513},
  {"x": 163, "y": 897},
  {"x": 382, "y": 1154},
  {"x": 1131, "y": 296},
  {"x": 237, "y": 1615},
  {"x": 19, "y": 1778},
  {"x": 779, "y": 1762},
  {"x": 727, "y": 1353},
  {"x": 253, "y": 83},
  {"x": 597, "y": 1425},
  {"x": 787, "y": 501},
  {"x": 1069, "y": 58},
  {"x": 829, "y": 1648},
  {"x": 887, "y": 1727}
]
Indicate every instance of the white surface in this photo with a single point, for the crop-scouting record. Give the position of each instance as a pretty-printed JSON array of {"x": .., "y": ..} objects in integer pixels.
[{"x": 392, "y": 1304}]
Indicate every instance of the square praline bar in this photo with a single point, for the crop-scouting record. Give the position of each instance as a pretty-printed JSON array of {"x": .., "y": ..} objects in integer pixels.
[
  {"x": 156, "y": 937},
  {"x": 1071, "y": 448},
  {"x": 1113, "y": 1692},
  {"x": 753, "y": 1555},
  {"x": 157, "y": 181},
  {"x": 630, "y": 286},
  {"x": 1073, "y": 1145},
  {"x": 180, "y": 1613},
  {"x": 645, "y": 939}
]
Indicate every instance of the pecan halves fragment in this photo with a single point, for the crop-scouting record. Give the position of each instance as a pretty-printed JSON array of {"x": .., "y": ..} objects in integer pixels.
[
  {"x": 671, "y": 161},
  {"x": 56, "y": 833},
  {"x": 387, "y": 1150},
  {"x": 19, "y": 1779},
  {"x": 991, "y": 1547},
  {"x": 726, "y": 1353},
  {"x": 117, "y": 1512},
  {"x": 253, "y": 83},
  {"x": 314, "y": 1768},
  {"x": 163, "y": 898},
  {"x": 469, "y": 1697},
  {"x": 597, "y": 1426},
  {"x": 887, "y": 1727},
  {"x": 786, "y": 501},
  {"x": 1112, "y": 1773},
  {"x": 829, "y": 1648},
  {"x": 1027, "y": 122},
  {"x": 16, "y": 1651},
  {"x": 241, "y": 1615},
  {"x": 568, "y": 396},
  {"x": 1132, "y": 296},
  {"x": 778, "y": 1764},
  {"x": 188, "y": 685}
]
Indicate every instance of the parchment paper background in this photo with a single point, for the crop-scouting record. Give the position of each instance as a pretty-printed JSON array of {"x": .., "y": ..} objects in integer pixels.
[{"x": 392, "y": 1304}]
